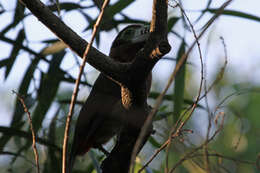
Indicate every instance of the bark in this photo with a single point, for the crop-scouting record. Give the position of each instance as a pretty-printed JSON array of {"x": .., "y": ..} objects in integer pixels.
[{"x": 130, "y": 76}]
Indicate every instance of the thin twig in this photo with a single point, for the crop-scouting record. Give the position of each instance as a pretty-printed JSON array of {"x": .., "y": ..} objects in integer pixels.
[
  {"x": 222, "y": 70},
  {"x": 202, "y": 75},
  {"x": 36, "y": 155},
  {"x": 76, "y": 88},
  {"x": 153, "y": 156},
  {"x": 164, "y": 145},
  {"x": 208, "y": 111},
  {"x": 221, "y": 74},
  {"x": 177, "y": 67},
  {"x": 200, "y": 147}
]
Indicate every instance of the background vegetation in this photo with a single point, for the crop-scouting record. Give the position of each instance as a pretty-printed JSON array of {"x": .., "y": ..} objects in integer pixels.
[{"x": 222, "y": 135}]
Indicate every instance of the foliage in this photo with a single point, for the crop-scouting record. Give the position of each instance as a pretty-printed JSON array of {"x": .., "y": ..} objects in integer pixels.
[{"x": 46, "y": 92}]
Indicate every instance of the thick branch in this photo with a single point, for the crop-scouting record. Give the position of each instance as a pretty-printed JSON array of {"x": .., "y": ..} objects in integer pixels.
[
  {"x": 159, "y": 31},
  {"x": 131, "y": 140},
  {"x": 143, "y": 64},
  {"x": 159, "y": 18},
  {"x": 117, "y": 71},
  {"x": 95, "y": 58},
  {"x": 132, "y": 76},
  {"x": 156, "y": 47}
]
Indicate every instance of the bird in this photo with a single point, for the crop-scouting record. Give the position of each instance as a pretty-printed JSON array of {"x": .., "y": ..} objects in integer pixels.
[{"x": 96, "y": 125}]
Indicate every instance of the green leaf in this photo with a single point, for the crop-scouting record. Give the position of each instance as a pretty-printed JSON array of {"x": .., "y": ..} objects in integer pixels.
[
  {"x": 67, "y": 6},
  {"x": 235, "y": 14},
  {"x": 97, "y": 39},
  {"x": 10, "y": 41},
  {"x": 18, "y": 17},
  {"x": 50, "y": 40},
  {"x": 58, "y": 6},
  {"x": 54, "y": 157},
  {"x": 171, "y": 22},
  {"x": 5, "y": 62},
  {"x": 48, "y": 88},
  {"x": 154, "y": 142},
  {"x": 162, "y": 115},
  {"x": 128, "y": 20},
  {"x": 14, "y": 53},
  {"x": 86, "y": 16},
  {"x": 108, "y": 21},
  {"x": 178, "y": 97},
  {"x": 9, "y": 131},
  {"x": 23, "y": 90},
  {"x": 95, "y": 161},
  {"x": 90, "y": 168},
  {"x": 19, "y": 13},
  {"x": 167, "y": 97},
  {"x": 118, "y": 6},
  {"x": 69, "y": 79}
]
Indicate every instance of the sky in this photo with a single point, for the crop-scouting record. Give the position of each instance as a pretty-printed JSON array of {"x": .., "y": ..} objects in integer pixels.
[{"x": 240, "y": 35}]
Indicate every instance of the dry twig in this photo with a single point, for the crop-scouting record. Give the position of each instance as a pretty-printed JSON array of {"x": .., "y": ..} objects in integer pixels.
[
  {"x": 76, "y": 88},
  {"x": 172, "y": 77},
  {"x": 198, "y": 148},
  {"x": 202, "y": 75},
  {"x": 36, "y": 155}
]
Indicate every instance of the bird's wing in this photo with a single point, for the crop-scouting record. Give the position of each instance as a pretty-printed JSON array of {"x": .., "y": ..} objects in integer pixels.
[{"x": 96, "y": 110}]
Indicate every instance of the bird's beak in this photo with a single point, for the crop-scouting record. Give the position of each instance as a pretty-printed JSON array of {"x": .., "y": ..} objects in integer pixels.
[{"x": 141, "y": 34}]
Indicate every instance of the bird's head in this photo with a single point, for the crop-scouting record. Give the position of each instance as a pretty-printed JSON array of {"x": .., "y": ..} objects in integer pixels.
[{"x": 128, "y": 42}]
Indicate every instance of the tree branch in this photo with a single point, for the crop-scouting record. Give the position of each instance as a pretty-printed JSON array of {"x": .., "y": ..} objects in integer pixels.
[
  {"x": 131, "y": 76},
  {"x": 76, "y": 88},
  {"x": 19, "y": 133},
  {"x": 117, "y": 71},
  {"x": 95, "y": 58},
  {"x": 35, "y": 151},
  {"x": 130, "y": 141}
]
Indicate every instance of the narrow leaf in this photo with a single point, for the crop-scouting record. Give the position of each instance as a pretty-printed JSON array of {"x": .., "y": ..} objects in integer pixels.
[
  {"x": 5, "y": 62},
  {"x": 23, "y": 90},
  {"x": 154, "y": 95},
  {"x": 235, "y": 14},
  {"x": 162, "y": 115},
  {"x": 53, "y": 162},
  {"x": 118, "y": 6},
  {"x": 154, "y": 142},
  {"x": 47, "y": 91},
  {"x": 171, "y": 22},
  {"x": 58, "y": 6},
  {"x": 178, "y": 97},
  {"x": 28, "y": 135},
  {"x": 18, "y": 17},
  {"x": 14, "y": 53},
  {"x": 67, "y": 6}
]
